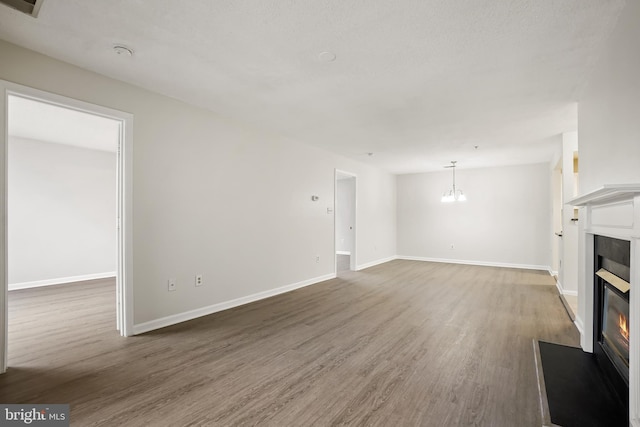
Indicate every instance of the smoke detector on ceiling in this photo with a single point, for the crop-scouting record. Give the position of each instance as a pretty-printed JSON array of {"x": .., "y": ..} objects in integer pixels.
[
  {"x": 123, "y": 50},
  {"x": 327, "y": 56},
  {"x": 29, "y": 7}
]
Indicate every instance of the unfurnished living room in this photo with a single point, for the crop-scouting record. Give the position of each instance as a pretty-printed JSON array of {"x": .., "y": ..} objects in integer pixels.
[{"x": 411, "y": 213}]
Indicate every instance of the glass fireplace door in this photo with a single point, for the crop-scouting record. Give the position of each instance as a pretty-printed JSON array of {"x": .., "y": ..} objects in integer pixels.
[{"x": 615, "y": 330}]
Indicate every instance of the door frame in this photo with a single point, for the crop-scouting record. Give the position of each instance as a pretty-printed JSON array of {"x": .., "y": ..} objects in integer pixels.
[
  {"x": 124, "y": 215},
  {"x": 556, "y": 218},
  {"x": 353, "y": 265}
]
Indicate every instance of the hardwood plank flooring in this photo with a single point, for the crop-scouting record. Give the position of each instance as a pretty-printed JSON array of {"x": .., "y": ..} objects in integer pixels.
[{"x": 402, "y": 343}]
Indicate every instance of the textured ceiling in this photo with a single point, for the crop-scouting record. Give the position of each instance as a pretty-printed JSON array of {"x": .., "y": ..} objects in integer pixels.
[{"x": 417, "y": 82}]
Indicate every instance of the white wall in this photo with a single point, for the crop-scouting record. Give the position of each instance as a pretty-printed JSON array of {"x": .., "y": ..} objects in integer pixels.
[
  {"x": 506, "y": 219},
  {"x": 345, "y": 215},
  {"x": 609, "y": 110},
  {"x": 608, "y": 123},
  {"x": 555, "y": 171},
  {"x": 215, "y": 197},
  {"x": 61, "y": 212},
  {"x": 568, "y": 273},
  {"x": 556, "y": 207}
]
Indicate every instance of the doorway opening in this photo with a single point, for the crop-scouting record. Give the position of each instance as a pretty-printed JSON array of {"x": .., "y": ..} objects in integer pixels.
[
  {"x": 556, "y": 248},
  {"x": 63, "y": 158},
  {"x": 345, "y": 221}
]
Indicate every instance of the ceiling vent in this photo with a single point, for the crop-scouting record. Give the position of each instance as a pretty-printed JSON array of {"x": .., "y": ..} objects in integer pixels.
[{"x": 30, "y": 7}]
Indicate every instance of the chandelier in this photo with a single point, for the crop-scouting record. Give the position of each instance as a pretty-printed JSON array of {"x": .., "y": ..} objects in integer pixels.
[{"x": 453, "y": 195}]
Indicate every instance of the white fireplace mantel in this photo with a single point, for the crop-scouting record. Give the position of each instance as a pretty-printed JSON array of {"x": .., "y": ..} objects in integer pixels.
[
  {"x": 607, "y": 194},
  {"x": 612, "y": 211}
]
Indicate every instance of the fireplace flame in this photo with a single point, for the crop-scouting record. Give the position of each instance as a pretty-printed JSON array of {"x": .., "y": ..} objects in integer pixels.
[{"x": 623, "y": 324}]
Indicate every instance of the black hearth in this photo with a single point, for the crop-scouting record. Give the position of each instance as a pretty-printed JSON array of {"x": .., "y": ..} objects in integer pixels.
[{"x": 611, "y": 311}]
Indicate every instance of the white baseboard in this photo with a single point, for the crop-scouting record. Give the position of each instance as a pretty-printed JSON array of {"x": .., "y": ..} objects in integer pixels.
[
  {"x": 563, "y": 291},
  {"x": 204, "y": 311},
  {"x": 376, "y": 262},
  {"x": 579, "y": 324},
  {"x": 343, "y": 253},
  {"x": 60, "y": 280},
  {"x": 471, "y": 262},
  {"x": 553, "y": 273}
]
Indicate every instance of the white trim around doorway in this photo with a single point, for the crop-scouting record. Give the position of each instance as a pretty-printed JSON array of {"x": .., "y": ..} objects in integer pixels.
[
  {"x": 124, "y": 303},
  {"x": 353, "y": 264}
]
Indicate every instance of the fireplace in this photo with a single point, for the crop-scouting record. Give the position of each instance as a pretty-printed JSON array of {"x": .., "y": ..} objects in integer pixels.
[
  {"x": 609, "y": 285},
  {"x": 611, "y": 311},
  {"x": 614, "y": 338}
]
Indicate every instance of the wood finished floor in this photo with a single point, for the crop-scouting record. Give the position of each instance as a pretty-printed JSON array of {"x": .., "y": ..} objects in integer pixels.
[{"x": 401, "y": 344}]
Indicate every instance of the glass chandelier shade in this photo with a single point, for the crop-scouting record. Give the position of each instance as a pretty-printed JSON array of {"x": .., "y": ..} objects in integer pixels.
[{"x": 451, "y": 196}]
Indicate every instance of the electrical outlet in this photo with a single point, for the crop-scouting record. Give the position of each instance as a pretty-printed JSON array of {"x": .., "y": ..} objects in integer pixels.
[
  {"x": 317, "y": 258},
  {"x": 452, "y": 246},
  {"x": 171, "y": 285},
  {"x": 199, "y": 280}
]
